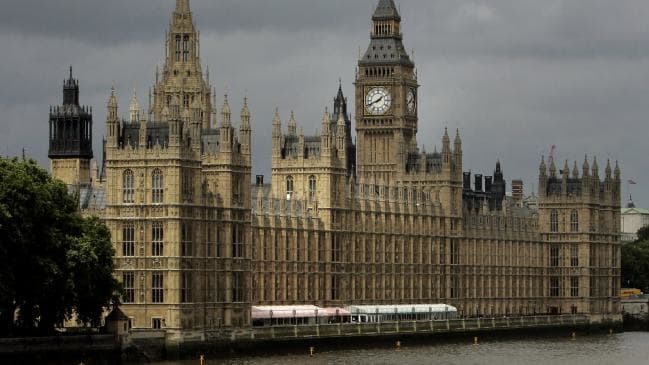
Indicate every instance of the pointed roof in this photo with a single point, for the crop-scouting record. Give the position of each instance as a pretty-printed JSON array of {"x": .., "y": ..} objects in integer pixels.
[
  {"x": 182, "y": 6},
  {"x": 112, "y": 101},
  {"x": 386, "y": 9},
  {"x": 245, "y": 111}
]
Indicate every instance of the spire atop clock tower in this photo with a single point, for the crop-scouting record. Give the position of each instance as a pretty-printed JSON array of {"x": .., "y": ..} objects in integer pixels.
[{"x": 386, "y": 100}]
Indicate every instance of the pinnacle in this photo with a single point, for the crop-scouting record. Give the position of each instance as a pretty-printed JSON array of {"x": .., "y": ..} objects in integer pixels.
[{"x": 182, "y": 6}]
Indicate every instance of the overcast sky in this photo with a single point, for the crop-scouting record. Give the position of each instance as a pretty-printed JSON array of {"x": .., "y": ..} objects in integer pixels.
[{"x": 515, "y": 76}]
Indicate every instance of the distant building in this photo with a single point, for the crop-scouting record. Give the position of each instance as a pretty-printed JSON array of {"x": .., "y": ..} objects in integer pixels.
[
  {"x": 632, "y": 220},
  {"x": 636, "y": 306}
]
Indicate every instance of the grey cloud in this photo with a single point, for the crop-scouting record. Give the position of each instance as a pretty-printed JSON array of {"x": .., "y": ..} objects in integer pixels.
[{"x": 515, "y": 76}]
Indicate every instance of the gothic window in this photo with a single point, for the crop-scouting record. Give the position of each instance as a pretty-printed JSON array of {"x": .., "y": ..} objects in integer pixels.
[
  {"x": 574, "y": 286},
  {"x": 128, "y": 281},
  {"x": 574, "y": 255},
  {"x": 157, "y": 287},
  {"x": 157, "y": 238},
  {"x": 128, "y": 240},
  {"x": 237, "y": 287},
  {"x": 574, "y": 221},
  {"x": 186, "y": 287},
  {"x": 128, "y": 187},
  {"x": 157, "y": 184},
  {"x": 168, "y": 100},
  {"x": 289, "y": 187},
  {"x": 335, "y": 248},
  {"x": 554, "y": 221},
  {"x": 237, "y": 241},
  {"x": 236, "y": 189},
  {"x": 335, "y": 287},
  {"x": 186, "y": 239},
  {"x": 178, "y": 48},
  {"x": 455, "y": 252},
  {"x": 554, "y": 286},
  {"x": 312, "y": 187},
  {"x": 186, "y": 49},
  {"x": 187, "y": 185},
  {"x": 186, "y": 100},
  {"x": 554, "y": 255}
]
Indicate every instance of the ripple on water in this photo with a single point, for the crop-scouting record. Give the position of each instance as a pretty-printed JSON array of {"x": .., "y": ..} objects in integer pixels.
[{"x": 619, "y": 349}]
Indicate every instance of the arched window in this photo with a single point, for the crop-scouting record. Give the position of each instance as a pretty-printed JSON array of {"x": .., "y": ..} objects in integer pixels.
[
  {"x": 186, "y": 49},
  {"x": 554, "y": 221},
  {"x": 128, "y": 240},
  {"x": 157, "y": 239},
  {"x": 289, "y": 187},
  {"x": 186, "y": 249},
  {"x": 128, "y": 187},
  {"x": 177, "y": 48},
  {"x": 574, "y": 221},
  {"x": 236, "y": 189},
  {"x": 312, "y": 187},
  {"x": 157, "y": 185}
]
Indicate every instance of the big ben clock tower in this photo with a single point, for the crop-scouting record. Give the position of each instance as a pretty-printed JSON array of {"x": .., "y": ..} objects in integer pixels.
[{"x": 386, "y": 100}]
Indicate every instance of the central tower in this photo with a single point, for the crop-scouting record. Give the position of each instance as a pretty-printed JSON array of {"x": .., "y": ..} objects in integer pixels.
[
  {"x": 182, "y": 77},
  {"x": 386, "y": 100}
]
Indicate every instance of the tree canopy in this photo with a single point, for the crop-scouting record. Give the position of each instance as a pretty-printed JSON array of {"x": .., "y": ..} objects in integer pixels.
[
  {"x": 53, "y": 262},
  {"x": 635, "y": 262}
]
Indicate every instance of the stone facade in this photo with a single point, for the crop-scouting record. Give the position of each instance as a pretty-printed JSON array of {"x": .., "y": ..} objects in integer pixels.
[{"x": 379, "y": 222}]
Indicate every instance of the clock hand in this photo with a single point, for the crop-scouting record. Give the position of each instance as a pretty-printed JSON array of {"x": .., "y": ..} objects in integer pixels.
[{"x": 377, "y": 100}]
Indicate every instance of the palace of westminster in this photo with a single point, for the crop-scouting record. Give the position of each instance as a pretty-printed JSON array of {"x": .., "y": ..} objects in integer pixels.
[{"x": 375, "y": 221}]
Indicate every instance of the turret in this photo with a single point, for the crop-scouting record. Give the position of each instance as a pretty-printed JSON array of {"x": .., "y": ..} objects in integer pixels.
[
  {"x": 543, "y": 177},
  {"x": 226, "y": 115},
  {"x": 245, "y": 131},
  {"x": 457, "y": 151},
  {"x": 112, "y": 121},
  {"x": 608, "y": 170},
  {"x": 595, "y": 169},
  {"x": 134, "y": 109},
  {"x": 446, "y": 149},
  {"x": 341, "y": 137},
  {"x": 226, "y": 126},
  {"x": 575, "y": 171},
  {"x": 553, "y": 168},
  {"x": 292, "y": 125},
  {"x": 277, "y": 134},
  {"x": 70, "y": 91},
  {"x": 565, "y": 172},
  {"x": 326, "y": 133}
]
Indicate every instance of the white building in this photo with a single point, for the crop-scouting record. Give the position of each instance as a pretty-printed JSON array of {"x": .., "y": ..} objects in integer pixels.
[{"x": 632, "y": 220}]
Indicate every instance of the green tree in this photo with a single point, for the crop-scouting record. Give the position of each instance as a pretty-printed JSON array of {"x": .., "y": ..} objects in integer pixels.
[
  {"x": 635, "y": 262},
  {"x": 53, "y": 262}
]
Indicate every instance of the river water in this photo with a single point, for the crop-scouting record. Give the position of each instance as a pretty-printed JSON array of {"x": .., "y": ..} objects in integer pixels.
[{"x": 618, "y": 349}]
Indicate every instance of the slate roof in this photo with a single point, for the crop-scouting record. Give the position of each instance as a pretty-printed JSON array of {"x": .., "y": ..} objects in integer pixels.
[
  {"x": 386, "y": 9},
  {"x": 386, "y": 51}
]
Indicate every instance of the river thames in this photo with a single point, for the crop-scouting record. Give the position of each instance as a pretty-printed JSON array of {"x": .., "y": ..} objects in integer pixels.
[{"x": 619, "y": 348}]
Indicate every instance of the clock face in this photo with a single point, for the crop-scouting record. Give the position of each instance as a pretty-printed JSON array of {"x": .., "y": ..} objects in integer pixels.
[
  {"x": 378, "y": 100},
  {"x": 411, "y": 101}
]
